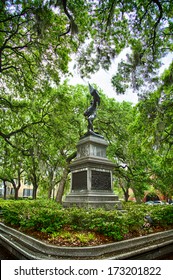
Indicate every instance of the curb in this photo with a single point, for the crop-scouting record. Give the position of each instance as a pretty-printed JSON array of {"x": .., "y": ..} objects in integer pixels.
[{"x": 26, "y": 247}]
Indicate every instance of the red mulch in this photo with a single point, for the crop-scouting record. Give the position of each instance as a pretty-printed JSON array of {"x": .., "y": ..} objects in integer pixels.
[{"x": 98, "y": 239}]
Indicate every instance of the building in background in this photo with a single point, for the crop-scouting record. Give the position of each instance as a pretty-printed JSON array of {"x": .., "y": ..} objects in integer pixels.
[{"x": 25, "y": 190}]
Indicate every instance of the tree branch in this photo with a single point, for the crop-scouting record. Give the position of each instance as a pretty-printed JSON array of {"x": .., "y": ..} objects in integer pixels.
[
  {"x": 10, "y": 18},
  {"x": 157, "y": 23},
  {"x": 72, "y": 27},
  {"x": 110, "y": 15},
  {"x": 146, "y": 12}
]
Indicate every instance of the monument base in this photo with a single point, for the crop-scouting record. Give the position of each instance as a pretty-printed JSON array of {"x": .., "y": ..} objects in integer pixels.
[
  {"x": 99, "y": 199},
  {"x": 91, "y": 176}
]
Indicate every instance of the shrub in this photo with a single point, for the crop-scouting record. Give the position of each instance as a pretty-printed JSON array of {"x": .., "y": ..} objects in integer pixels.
[
  {"x": 162, "y": 215},
  {"x": 48, "y": 216},
  {"x": 36, "y": 215}
]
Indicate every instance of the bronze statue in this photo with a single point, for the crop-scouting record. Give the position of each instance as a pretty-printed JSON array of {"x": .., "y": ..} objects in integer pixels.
[{"x": 90, "y": 113}]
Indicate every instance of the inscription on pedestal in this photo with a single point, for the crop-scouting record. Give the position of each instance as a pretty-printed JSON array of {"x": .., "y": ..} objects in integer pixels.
[
  {"x": 79, "y": 180},
  {"x": 100, "y": 180},
  {"x": 98, "y": 151},
  {"x": 83, "y": 151}
]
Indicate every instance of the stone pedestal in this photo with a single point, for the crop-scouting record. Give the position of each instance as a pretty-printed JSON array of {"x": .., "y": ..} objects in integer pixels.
[{"x": 91, "y": 176}]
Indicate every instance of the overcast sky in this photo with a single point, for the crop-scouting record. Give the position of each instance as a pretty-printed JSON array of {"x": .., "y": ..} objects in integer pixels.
[{"x": 103, "y": 79}]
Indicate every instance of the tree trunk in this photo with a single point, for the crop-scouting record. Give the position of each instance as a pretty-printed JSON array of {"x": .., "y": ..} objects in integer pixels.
[
  {"x": 50, "y": 192},
  {"x": 51, "y": 184},
  {"x": 60, "y": 191},
  {"x": 34, "y": 181},
  {"x": 66, "y": 170},
  {"x": 18, "y": 185},
  {"x": 125, "y": 190},
  {"x": 34, "y": 194},
  {"x": 126, "y": 194},
  {"x": 5, "y": 190},
  {"x": 16, "y": 190},
  {"x": 16, "y": 193}
]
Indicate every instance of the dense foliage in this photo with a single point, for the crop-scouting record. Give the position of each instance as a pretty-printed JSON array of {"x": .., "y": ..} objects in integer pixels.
[
  {"x": 44, "y": 136},
  {"x": 42, "y": 118},
  {"x": 38, "y": 37},
  {"x": 49, "y": 217}
]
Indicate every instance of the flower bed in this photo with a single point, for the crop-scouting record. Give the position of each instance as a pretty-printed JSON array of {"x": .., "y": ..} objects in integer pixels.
[{"x": 49, "y": 221}]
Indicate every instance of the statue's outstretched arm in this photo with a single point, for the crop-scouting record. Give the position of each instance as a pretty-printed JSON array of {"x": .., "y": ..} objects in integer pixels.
[{"x": 95, "y": 94}]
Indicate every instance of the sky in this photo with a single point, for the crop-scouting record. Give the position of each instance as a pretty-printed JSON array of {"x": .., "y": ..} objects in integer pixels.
[{"x": 103, "y": 79}]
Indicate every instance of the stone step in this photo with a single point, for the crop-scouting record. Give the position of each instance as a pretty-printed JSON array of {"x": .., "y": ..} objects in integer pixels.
[
  {"x": 96, "y": 198},
  {"x": 107, "y": 205}
]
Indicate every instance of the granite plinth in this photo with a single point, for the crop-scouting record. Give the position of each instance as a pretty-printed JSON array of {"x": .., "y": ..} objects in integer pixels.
[
  {"x": 91, "y": 176},
  {"x": 90, "y": 199}
]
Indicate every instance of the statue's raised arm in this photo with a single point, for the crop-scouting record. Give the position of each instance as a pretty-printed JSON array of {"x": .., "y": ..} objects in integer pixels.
[
  {"x": 90, "y": 113},
  {"x": 95, "y": 94}
]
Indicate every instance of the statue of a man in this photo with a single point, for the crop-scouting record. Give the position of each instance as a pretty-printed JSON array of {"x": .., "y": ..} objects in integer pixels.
[{"x": 90, "y": 113}]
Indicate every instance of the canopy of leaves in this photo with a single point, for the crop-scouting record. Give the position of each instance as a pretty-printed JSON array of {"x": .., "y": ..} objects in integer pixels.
[
  {"x": 37, "y": 38},
  {"x": 39, "y": 136},
  {"x": 42, "y": 125},
  {"x": 144, "y": 27},
  {"x": 155, "y": 122}
]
